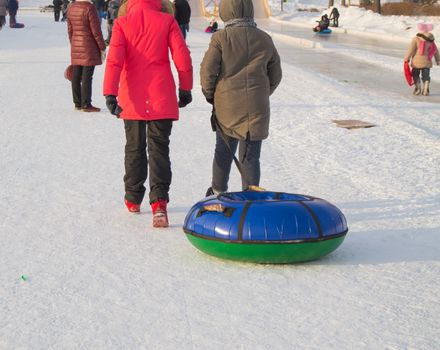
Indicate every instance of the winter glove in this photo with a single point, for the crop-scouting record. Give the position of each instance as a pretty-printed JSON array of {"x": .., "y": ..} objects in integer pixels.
[
  {"x": 185, "y": 98},
  {"x": 103, "y": 56},
  {"x": 112, "y": 105},
  {"x": 210, "y": 100}
]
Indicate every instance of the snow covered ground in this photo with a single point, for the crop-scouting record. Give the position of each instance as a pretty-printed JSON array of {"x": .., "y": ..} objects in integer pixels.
[{"x": 100, "y": 278}]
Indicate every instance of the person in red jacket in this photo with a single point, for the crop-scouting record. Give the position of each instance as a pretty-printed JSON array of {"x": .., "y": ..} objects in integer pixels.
[{"x": 139, "y": 88}]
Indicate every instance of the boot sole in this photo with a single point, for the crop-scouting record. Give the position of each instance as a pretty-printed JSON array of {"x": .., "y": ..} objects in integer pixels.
[{"x": 160, "y": 221}]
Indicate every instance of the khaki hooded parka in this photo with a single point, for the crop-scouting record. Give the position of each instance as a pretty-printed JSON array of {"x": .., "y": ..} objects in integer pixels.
[{"x": 240, "y": 70}]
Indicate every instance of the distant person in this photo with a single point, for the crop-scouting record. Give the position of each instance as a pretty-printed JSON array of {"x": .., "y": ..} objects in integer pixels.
[
  {"x": 64, "y": 8},
  {"x": 87, "y": 51},
  {"x": 140, "y": 89},
  {"x": 112, "y": 14},
  {"x": 3, "y": 6},
  {"x": 323, "y": 24},
  {"x": 183, "y": 15},
  {"x": 99, "y": 4},
  {"x": 239, "y": 71},
  {"x": 13, "y": 9},
  {"x": 334, "y": 17},
  {"x": 420, "y": 52},
  {"x": 213, "y": 26},
  {"x": 57, "y": 9}
]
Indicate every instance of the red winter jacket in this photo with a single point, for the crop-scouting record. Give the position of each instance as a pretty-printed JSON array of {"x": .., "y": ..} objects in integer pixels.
[
  {"x": 84, "y": 34},
  {"x": 138, "y": 68}
]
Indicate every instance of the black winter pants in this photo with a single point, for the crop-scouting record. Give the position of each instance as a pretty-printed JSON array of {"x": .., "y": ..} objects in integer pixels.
[
  {"x": 82, "y": 85},
  {"x": 154, "y": 137},
  {"x": 56, "y": 13},
  {"x": 248, "y": 155}
]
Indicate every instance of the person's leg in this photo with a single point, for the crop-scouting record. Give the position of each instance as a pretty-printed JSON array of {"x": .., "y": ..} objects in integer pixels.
[
  {"x": 86, "y": 86},
  {"x": 2, "y": 21},
  {"x": 12, "y": 20},
  {"x": 158, "y": 140},
  {"x": 221, "y": 166},
  {"x": 57, "y": 15},
  {"x": 416, "y": 78},
  {"x": 77, "y": 72},
  {"x": 425, "y": 74},
  {"x": 426, "y": 80},
  {"x": 249, "y": 156},
  {"x": 136, "y": 164}
]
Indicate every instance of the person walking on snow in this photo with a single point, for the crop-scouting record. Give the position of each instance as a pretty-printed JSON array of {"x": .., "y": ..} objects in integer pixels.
[
  {"x": 112, "y": 14},
  {"x": 3, "y": 6},
  {"x": 140, "y": 89},
  {"x": 64, "y": 8},
  {"x": 183, "y": 15},
  {"x": 421, "y": 51},
  {"x": 87, "y": 51},
  {"x": 57, "y": 9},
  {"x": 334, "y": 17},
  {"x": 13, "y": 9},
  {"x": 239, "y": 71}
]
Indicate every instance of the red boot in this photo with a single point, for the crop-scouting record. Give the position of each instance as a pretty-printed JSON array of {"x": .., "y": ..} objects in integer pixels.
[
  {"x": 160, "y": 217},
  {"x": 132, "y": 207}
]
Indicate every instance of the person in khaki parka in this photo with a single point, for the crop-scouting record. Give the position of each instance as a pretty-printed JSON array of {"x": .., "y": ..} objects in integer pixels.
[
  {"x": 239, "y": 71},
  {"x": 421, "y": 51}
]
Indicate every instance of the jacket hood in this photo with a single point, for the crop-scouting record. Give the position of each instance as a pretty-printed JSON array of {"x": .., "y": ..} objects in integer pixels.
[
  {"x": 232, "y": 9},
  {"x": 426, "y": 36},
  {"x": 150, "y": 4}
]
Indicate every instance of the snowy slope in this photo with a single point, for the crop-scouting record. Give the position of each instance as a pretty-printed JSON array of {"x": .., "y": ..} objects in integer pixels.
[{"x": 99, "y": 278}]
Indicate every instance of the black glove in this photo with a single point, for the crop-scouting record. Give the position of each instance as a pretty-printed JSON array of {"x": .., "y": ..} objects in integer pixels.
[
  {"x": 185, "y": 98},
  {"x": 210, "y": 100},
  {"x": 112, "y": 105}
]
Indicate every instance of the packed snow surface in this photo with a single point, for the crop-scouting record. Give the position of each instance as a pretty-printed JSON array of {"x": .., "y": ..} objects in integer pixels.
[{"x": 96, "y": 277}]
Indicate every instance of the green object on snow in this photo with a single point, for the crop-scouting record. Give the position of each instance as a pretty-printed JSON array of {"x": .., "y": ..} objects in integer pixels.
[
  {"x": 24, "y": 278},
  {"x": 269, "y": 253}
]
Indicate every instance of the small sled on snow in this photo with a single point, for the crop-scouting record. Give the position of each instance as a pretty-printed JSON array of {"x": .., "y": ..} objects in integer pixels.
[
  {"x": 352, "y": 124},
  {"x": 408, "y": 73},
  {"x": 324, "y": 32}
]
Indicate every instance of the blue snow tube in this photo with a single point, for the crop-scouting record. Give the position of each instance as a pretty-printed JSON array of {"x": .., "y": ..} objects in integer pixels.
[
  {"x": 265, "y": 227},
  {"x": 325, "y": 31}
]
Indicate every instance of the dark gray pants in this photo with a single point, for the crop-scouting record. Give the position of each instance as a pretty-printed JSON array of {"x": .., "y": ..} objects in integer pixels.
[
  {"x": 153, "y": 136},
  {"x": 82, "y": 85},
  {"x": 248, "y": 155},
  {"x": 425, "y": 74}
]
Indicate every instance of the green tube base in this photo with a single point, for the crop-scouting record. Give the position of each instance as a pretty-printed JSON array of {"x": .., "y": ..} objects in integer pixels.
[{"x": 267, "y": 253}]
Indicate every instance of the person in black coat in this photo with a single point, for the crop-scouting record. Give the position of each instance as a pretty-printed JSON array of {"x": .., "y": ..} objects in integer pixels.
[
  {"x": 57, "y": 9},
  {"x": 334, "y": 16},
  {"x": 182, "y": 15}
]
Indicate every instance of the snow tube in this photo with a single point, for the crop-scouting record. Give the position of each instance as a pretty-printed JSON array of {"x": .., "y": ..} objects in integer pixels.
[
  {"x": 265, "y": 227},
  {"x": 325, "y": 31}
]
